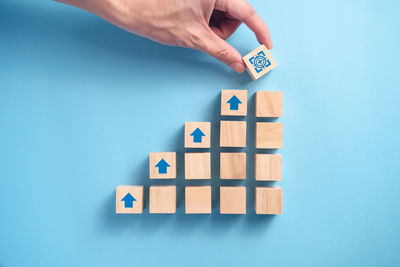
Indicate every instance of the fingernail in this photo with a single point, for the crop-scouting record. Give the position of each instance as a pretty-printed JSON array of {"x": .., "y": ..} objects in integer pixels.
[{"x": 238, "y": 67}]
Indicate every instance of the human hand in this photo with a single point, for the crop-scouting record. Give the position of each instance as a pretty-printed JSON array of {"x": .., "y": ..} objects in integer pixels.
[{"x": 198, "y": 24}]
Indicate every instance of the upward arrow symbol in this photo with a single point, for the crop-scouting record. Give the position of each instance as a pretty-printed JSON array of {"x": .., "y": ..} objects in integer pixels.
[
  {"x": 234, "y": 103},
  {"x": 162, "y": 166},
  {"x": 128, "y": 199},
  {"x": 197, "y": 135}
]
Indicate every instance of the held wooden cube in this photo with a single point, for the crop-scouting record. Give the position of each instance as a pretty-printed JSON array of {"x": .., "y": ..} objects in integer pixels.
[
  {"x": 268, "y": 200},
  {"x": 162, "y": 199},
  {"x": 233, "y": 134},
  {"x": 268, "y": 167},
  {"x": 269, "y": 104},
  {"x": 197, "y": 134},
  {"x": 162, "y": 165},
  {"x": 128, "y": 199},
  {"x": 233, "y": 165},
  {"x": 269, "y": 135},
  {"x": 198, "y": 165},
  {"x": 234, "y": 102},
  {"x": 198, "y": 199},
  {"x": 233, "y": 200},
  {"x": 259, "y": 62}
]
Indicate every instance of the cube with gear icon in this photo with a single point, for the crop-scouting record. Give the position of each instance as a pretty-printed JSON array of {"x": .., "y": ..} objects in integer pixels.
[{"x": 259, "y": 62}]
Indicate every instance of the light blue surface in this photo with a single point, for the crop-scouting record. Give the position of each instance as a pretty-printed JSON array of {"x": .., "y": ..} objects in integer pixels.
[{"x": 82, "y": 103}]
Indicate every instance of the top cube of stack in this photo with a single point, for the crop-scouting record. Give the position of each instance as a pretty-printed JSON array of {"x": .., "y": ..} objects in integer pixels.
[
  {"x": 259, "y": 62},
  {"x": 197, "y": 134},
  {"x": 234, "y": 102},
  {"x": 162, "y": 165},
  {"x": 269, "y": 104}
]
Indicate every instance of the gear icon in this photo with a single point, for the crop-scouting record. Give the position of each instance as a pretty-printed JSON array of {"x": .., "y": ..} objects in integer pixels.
[{"x": 260, "y": 61}]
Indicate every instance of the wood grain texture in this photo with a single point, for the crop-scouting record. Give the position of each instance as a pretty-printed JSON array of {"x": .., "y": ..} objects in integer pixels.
[
  {"x": 204, "y": 127},
  {"x": 136, "y": 192},
  {"x": 233, "y": 134},
  {"x": 233, "y": 200},
  {"x": 162, "y": 199},
  {"x": 268, "y": 167},
  {"x": 268, "y": 200},
  {"x": 198, "y": 199},
  {"x": 154, "y": 159},
  {"x": 226, "y": 95},
  {"x": 198, "y": 165},
  {"x": 269, "y": 135},
  {"x": 250, "y": 67},
  {"x": 233, "y": 165},
  {"x": 269, "y": 104}
]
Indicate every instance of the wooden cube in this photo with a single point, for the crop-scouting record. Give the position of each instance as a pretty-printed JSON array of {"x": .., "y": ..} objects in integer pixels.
[
  {"x": 269, "y": 104},
  {"x": 234, "y": 102},
  {"x": 198, "y": 165},
  {"x": 233, "y": 165},
  {"x": 162, "y": 199},
  {"x": 269, "y": 135},
  {"x": 268, "y": 200},
  {"x": 268, "y": 167},
  {"x": 162, "y": 165},
  {"x": 197, "y": 134},
  {"x": 259, "y": 62},
  {"x": 233, "y": 200},
  {"x": 129, "y": 199},
  {"x": 233, "y": 134},
  {"x": 197, "y": 199}
]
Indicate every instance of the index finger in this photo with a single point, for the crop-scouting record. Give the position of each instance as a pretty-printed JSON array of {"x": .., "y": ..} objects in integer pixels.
[{"x": 243, "y": 11}]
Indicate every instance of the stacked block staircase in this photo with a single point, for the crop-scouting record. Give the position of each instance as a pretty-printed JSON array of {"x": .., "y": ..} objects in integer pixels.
[{"x": 232, "y": 200}]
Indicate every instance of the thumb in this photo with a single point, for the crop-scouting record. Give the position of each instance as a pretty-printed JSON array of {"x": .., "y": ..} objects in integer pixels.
[{"x": 213, "y": 45}]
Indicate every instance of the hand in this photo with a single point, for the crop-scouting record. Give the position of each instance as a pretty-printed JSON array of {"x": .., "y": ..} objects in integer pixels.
[{"x": 198, "y": 24}]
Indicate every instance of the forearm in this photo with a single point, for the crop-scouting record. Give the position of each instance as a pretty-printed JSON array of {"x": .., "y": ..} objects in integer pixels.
[
  {"x": 109, "y": 10},
  {"x": 135, "y": 16}
]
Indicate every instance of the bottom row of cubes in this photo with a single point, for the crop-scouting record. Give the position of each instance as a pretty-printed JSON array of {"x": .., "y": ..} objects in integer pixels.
[{"x": 130, "y": 199}]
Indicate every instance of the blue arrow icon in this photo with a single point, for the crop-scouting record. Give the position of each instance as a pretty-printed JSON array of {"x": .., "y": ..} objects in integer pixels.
[
  {"x": 234, "y": 102},
  {"x": 128, "y": 199},
  {"x": 162, "y": 166},
  {"x": 197, "y": 135}
]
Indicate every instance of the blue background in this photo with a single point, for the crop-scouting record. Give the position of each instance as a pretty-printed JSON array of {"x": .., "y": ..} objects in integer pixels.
[{"x": 82, "y": 103}]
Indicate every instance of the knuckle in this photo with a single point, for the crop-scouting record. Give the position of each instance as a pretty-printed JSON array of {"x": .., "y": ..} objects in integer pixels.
[
  {"x": 193, "y": 39},
  {"x": 222, "y": 54},
  {"x": 250, "y": 12}
]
